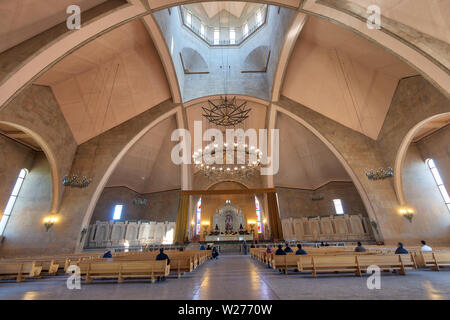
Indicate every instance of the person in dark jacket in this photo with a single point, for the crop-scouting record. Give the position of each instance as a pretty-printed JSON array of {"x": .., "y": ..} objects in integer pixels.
[
  {"x": 162, "y": 256},
  {"x": 215, "y": 253},
  {"x": 400, "y": 249},
  {"x": 300, "y": 251},
  {"x": 280, "y": 251},
  {"x": 107, "y": 254},
  {"x": 360, "y": 248},
  {"x": 202, "y": 247},
  {"x": 287, "y": 249},
  {"x": 268, "y": 251}
]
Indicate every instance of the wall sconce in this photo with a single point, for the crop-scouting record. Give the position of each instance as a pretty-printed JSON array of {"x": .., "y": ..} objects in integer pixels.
[
  {"x": 205, "y": 225},
  {"x": 49, "y": 222},
  {"x": 251, "y": 223},
  {"x": 408, "y": 213}
]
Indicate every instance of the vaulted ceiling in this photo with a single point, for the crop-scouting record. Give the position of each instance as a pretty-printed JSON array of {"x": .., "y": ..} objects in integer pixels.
[
  {"x": 22, "y": 19},
  {"x": 147, "y": 166},
  {"x": 305, "y": 161},
  {"x": 119, "y": 75},
  {"x": 108, "y": 81},
  {"x": 343, "y": 76}
]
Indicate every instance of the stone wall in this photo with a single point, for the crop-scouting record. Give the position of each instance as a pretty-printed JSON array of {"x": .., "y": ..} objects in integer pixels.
[
  {"x": 415, "y": 100},
  {"x": 437, "y": 147},
  {"x": 36, "y": 112},
  {"x": 431, "y": 220},
  {"x": 297, "y": 203},
  {"x": 162, "y": 206},
  {"x": 25, "y": 233},
  {"x": 13, "y": 157}
]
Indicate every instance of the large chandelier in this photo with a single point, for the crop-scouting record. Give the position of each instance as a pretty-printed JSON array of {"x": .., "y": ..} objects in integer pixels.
[
  {"x": 236, "y": 161},
  {"x": 226, "y": 113}
]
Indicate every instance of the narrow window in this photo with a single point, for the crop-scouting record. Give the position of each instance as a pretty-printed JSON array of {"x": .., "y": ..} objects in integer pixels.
[
  {"x": 12, "y": 200},
  {"x": 216, "y": 36},
  {"x": 189, "y": 19},
  {"x": 338, "y": 206},
  {"x": 117, "y": 211},
  {"x": 258, "y": 215},
  {"x": 439, "y": 182},
  {"x": 198, "y": 216},
  {"x": 202, "y": 30},
  {"x": 232, "y": 36},
  {"x": 245, "y": 30},
  {"x": 258, "y": 18}
]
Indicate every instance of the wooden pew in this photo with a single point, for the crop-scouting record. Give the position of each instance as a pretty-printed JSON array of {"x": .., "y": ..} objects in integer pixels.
[
  {"x": 435, "y": 260},
  {"x": 125, "y": 269},
  {"x": 19, "y": 270},
  {"x": 179, "y": 263},
  {"x": 48, "y": 265},
  {"x": 323, "y": 263},
  {"x": 399, "y": 262},
  {"x": 354, "y": 263},
  {"x": 284, "y": 263}
]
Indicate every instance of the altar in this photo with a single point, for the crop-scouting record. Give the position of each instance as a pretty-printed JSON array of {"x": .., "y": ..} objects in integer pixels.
[
  {"x": 229, "y": 225},
  {"x": 236, "y": 237}
]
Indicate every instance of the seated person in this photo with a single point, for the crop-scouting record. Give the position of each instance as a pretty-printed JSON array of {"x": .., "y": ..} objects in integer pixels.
[
  {"x": 202, "y": 247},
  {"x": 253, "y": 245},
  {"x": 280, "y": 251},
  {"x": 162, "y": 256},
  {"x": 209, "y": 247},
  {"x": 287, "y": 249},
  {"x": 269, "y": 250},
  {"x": 300, "y": 251},
  {"x": 322, "y": 244},
  {"x": 360, "y": 248},
  {"x": 425, "y": 247},
  {"x": 107, "y": 254},
  {"x": 215, "y": 253},
  {"x": 400, "y": 249}
]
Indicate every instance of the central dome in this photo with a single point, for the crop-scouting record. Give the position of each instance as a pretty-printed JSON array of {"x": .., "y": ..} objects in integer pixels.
[{"x": 224, "y": 23}]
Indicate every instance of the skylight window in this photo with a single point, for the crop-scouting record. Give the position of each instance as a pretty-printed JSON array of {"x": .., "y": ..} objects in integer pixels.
[
  {"x": 258, "y": 17},
  {"x": 246, "y": 30},
  {"x": 189, "y": 19},
  {"x": 202, "y": 30},
  {"x": 216, "y": 36},
  {"x": 232, "y": 36}
]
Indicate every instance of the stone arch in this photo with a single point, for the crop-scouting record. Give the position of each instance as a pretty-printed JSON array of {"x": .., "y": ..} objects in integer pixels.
[
  {"x": 49, "y": 154},
  {"x": 362, "y": 192},
  {"x": 34, "y": 65},
  {"x": 193, "y": 61},
  {"x": 257, "y": 60},
  {"x": 212, "y": 185},
  {"x": 401, "y": 154},
  {"x": 116, "y": 160}
]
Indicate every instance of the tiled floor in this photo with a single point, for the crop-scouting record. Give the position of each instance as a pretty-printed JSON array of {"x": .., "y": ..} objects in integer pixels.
[{"x": 240, "y": 277}]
